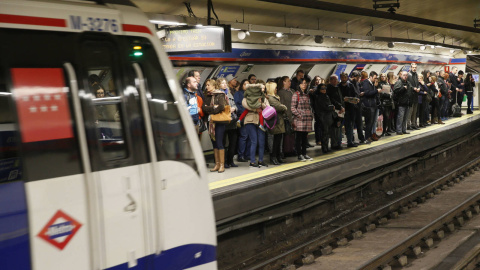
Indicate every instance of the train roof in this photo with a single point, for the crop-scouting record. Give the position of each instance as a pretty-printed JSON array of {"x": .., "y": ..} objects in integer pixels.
[{"x": 115, "y": 17}]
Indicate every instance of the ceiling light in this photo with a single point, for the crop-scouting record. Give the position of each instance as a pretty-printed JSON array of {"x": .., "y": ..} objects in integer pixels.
[
  {"x": 346, "y": 40},
  {"x": 198, "y": 25},
  {"x": 423, "y": 47},
  {"x": 432, "y": 46},
  {"x": 452, "y": 51},
  {"x": 166, "y": 22},
  {"x": 241, "y": 35},
  {"x": 391, "y": 45},
  {"x": 279, "y": 35},
  {"x": 469, "y": 51}
]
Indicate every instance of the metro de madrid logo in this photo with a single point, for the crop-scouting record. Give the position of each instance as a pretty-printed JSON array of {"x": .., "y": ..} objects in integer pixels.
[{"x": 60, "y": 230}]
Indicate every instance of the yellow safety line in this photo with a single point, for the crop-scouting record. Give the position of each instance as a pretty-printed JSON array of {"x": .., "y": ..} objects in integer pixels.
[{"x": 346, "y": 151}]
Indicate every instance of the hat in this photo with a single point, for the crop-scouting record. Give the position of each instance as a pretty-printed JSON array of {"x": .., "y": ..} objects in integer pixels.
[{"x": 230, "y": 77}]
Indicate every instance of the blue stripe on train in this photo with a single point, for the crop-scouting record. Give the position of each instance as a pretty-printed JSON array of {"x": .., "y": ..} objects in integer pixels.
[
  {"x": 14, "y": 239},
  {"x": 181, "y": 257}
]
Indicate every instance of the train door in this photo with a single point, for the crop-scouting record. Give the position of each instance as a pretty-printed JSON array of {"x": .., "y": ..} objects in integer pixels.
[{"x": 119, "y": 180}]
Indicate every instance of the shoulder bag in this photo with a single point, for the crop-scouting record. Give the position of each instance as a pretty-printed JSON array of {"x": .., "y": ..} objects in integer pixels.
[{"x": 223, "y": 117}]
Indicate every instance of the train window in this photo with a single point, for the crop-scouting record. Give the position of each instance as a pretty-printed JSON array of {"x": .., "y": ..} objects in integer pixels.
[
  {"x": 169, "y": 132},
  {"x": 107, "y": 109},
  {"x": 10, "y": 161}
]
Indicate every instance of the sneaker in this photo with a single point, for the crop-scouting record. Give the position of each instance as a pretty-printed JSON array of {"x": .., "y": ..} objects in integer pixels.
[
  {"x": 254, "y": 165},
  {"x": 261, "y": 163},
  {"x": 301, "y": 158},
  {"x": 262, "y": 128},
  {"x": 308, "y": 158}
]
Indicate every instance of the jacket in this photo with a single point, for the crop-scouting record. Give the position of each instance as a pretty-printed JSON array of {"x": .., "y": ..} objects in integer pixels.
[
  {"x": 403, "y": 95},
  {"x": 192, "y": 104},
  {"x": 218, "y": 99},
  {"x": 370, "y": 97},
  {"x": 252, "y": 115},
  {"x": 413, "y": 80},
  {"x": 286, "y": 99},
  {"x": 385, "y": 98},
  {"x": 335, "y": 96},
  {"x": 469, "y": 86},
  {"x": 238, "y": 97},
  {"x": 348, "y": 90},
  {"x": 281, "y": 112},
  {"x": 302, "y": 113},
  {"x": 443, "y": 86},
  {"x": 323, "y": 109},
  {"x": 231, "y": 102}
]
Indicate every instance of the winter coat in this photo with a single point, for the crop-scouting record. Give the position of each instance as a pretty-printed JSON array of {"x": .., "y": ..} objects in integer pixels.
[
  {"x": 252, "y": 115},
  {"x": 281, "y": 112},
  {"x": 231, "y": 102},
  {"x": 403, "y": 95},
  {"x": 369, "y": 99},
  {"x": 219, "y": 99},
  {"x": 286, "y": 99},
  {"x": 443, "y": 86},
  {"x": 413, "y": 80},
  {"x": 323, "y": 109},
  {"x": 335, "y": 96},
  {"x": 385, "y": 98},
  {"x": 302, "y": 113},
  {"x": 348, "y": 90},
  {"x": 469, "y": 86}
]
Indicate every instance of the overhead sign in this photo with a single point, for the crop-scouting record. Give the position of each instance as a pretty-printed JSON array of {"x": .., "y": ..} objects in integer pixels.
[
  {"x": 197, "y": 39},
  {"x": 228, "y": 70}
]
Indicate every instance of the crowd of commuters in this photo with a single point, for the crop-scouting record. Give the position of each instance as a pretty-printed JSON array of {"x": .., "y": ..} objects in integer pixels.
[{"x": 406, "y": 102}]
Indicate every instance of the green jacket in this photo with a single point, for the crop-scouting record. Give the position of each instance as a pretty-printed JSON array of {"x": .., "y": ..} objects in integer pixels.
[{"x": 281, "y": 112}]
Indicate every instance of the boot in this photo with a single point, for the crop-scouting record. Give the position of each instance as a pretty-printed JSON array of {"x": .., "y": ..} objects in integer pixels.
[
  {"x": 221, "y": 154},
  {"x": 217, "y": 160},
  {"x": 440, "y": 121},
  {"x": 280, "y": 160},
  {"x": 274, "y": 161},
  {"x": 435, "y": 120}
]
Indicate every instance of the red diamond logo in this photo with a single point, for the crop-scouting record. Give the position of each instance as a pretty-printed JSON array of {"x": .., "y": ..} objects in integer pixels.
[{"x": 60, "y": 230}]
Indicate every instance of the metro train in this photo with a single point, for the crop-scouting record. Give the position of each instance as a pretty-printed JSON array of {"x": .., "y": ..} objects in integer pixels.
[{"x": 98, "y": 169}]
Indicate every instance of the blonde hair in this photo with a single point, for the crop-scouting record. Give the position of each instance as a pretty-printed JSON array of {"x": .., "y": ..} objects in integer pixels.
[
  {"x": 271, "y": 86},
  {"x": 219, "y": 81},
  {"x": 434, "y": 79}
]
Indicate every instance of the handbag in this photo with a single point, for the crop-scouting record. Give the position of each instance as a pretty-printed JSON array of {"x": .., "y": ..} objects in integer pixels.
[
  {"x": 223, "y": 117},
  {"x": 202, "y": 126},
  {"x": 288, "y": 126}
]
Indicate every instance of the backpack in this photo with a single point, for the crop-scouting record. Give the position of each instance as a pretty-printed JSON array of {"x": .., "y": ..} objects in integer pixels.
[{"x": 270, "y": 117}]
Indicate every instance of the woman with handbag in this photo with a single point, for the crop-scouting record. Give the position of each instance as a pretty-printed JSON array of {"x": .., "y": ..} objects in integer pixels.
[
  {"x": 279, "y": 128},
  {"x": 214, "y": 106}
]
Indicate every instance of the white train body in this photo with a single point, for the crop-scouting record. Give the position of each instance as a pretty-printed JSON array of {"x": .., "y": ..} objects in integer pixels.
[{"x": 91, "y": 182}]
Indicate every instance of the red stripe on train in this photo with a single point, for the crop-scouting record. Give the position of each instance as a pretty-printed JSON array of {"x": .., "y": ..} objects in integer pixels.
[
  {"x": 136, "y": 28},
  {"x": 18, "y": 19}
]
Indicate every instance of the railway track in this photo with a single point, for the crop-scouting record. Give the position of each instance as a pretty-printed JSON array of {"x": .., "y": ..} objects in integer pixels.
[{"x": 398, "y": 254}]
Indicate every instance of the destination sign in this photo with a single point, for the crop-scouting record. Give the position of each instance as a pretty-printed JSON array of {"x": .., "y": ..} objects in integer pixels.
[{"x": 197, "y": 39}]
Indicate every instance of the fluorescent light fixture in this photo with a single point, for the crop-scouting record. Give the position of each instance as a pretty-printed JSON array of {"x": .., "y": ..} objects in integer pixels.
[
  {"x": 279, "y": 35},
  {"x": 432, "y": 46},
  {"x": 452, "y": 51},
  {"x": 199, "y": 24},
  {"x": 469, "y": 51},
  {"x": 423, "y": 47},
  {"x": 166, "y": 22}
]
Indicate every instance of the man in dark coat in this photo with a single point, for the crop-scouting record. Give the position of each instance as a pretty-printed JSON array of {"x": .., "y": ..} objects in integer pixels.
[
  {"x": 336, "y": 98},
  {"x": 402, "y": 92},
  {"x": 412, "y": 112},
  {"x": 300, "y": 74},
  {"x": 349, "y": 97},
  {"x": 369, "y": 99},
  {"x": 355, "y": 80}
]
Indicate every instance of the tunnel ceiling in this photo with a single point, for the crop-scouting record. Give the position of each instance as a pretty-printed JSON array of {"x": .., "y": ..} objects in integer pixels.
[{"x": 272, "y": 14}]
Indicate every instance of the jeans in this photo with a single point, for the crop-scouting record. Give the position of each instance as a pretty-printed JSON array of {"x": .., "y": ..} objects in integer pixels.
[
  {"x": 277, "y": 140},
  {"x": 349, "y": 120},
  {"x": 375, "y": 120},
  {"x": 402, "y": 118},
  {"x": 369, "y": 119},
  {"x": 412, "y": 116},
  {"x": 243, "y": 143},
  {"x": 446, "y": 105},
  {"x": 470, "y": 101},
  {"x": 219, "y": 133},
  {"x": 257, "y": 137},
  {"x": 301, "y": 142},
  {"x": 359, "y": 123}
]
